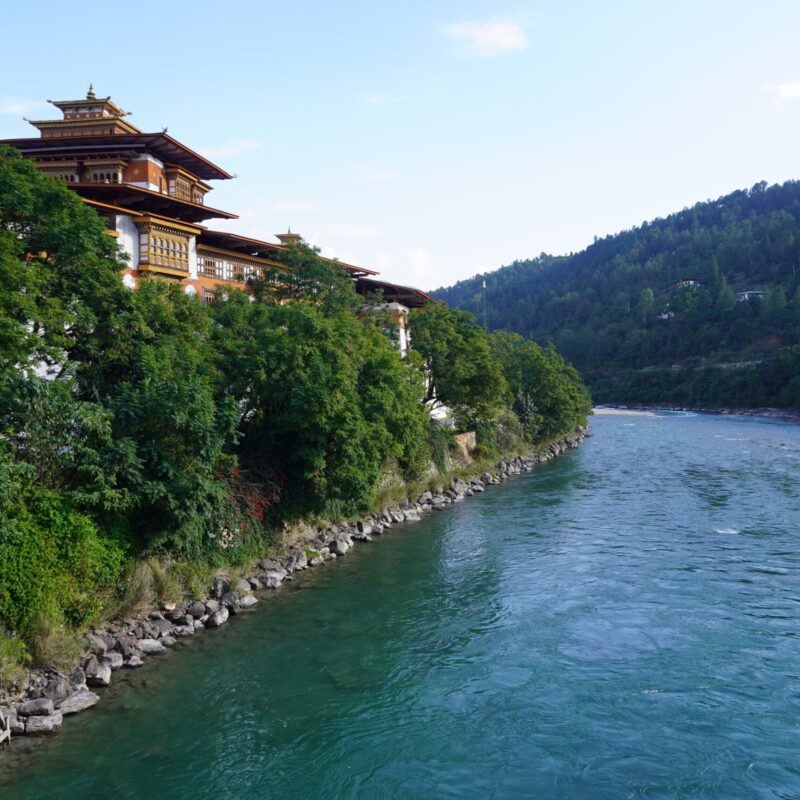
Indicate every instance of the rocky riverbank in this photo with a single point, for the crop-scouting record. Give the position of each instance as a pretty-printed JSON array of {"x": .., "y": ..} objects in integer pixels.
[{"x": 48, "y": 696}]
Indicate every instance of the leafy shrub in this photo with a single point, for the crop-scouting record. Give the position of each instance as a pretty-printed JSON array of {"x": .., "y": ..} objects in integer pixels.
[{"x": 53, "y": 562}]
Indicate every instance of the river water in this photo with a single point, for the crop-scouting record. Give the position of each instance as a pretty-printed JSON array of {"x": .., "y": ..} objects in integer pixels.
[{"x": 622, "y": 622}]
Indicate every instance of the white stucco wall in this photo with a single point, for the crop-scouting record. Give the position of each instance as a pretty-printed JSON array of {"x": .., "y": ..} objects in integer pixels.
[
  {"x": 193, "y": 256},
  {"x": 128, "y": 239}
]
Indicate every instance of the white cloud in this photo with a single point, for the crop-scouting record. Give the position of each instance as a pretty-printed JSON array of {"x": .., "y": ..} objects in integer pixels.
[
  {"x": 788, "y": 91},
  {"x": 492, "y": 38},
  {"x": 382, "y": 99},
  {"x": 416, "y": 268},
  {"x": 230, "y": 149}
]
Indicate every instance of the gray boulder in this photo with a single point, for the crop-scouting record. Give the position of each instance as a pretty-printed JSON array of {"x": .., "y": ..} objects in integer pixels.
[
  {"x": 151, "y": 647},
  {"x": 100, "y": 676},
  {"x": 113, "y": 660},
  {"x": 248, "y": 601},
  {"x": 218, "y": 618},
  {"x": 94, "y": 643},
  {"x": 273, "y": 579},
  {"x": 78, "y": 701},
  {"x": 211, "y": 606},
  {"x": 181, "y": 631},
  {"x": 39, "y": 726},
  {"x": 133, "y": 662},
  {"x": 126, "y": 644},
  {"x": 57, "y": 688},
  {"x": 160, "y": 628},
  {"x": 175, "y": 614},
  {"x": 339, "y": 546},
  {"x": 36, "y": 708},
  {"x": 196, "y": 609}
]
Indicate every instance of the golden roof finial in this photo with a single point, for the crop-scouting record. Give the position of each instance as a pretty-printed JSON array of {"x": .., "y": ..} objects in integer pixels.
[{"x": 90, "y": 93}]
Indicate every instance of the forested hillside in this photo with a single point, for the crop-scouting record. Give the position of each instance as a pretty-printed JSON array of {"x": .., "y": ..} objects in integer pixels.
[{"x": 702, "y": 307}]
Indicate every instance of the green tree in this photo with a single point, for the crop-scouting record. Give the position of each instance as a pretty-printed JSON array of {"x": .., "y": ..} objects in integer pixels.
[
  {"x": 461, "y": 372},
  {"x": 646, "y": 305},
  {"x": 59, "y": 278},
  {"x": 303, "y": 275},
  {"x": 775, "y": 302},
  {"x": 545, "y": 393},
  {"x": 173, "y": 431},
  {"x": 325, "y": 402}
]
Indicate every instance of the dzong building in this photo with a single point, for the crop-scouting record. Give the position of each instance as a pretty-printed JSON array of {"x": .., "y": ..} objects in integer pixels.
[{"x": 153, "y": 191}]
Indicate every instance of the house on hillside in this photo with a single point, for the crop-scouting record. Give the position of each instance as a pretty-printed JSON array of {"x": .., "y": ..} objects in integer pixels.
[
  {"x": 750, "y": 294},
  {"x": 688, "y": 283}
]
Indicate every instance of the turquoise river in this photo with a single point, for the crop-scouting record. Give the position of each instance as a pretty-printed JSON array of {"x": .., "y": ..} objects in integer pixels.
[{"x": 623, "y": 622}]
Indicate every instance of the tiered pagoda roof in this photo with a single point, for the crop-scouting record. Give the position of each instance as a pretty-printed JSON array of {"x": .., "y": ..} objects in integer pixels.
[{"x": 158, "y": 182}]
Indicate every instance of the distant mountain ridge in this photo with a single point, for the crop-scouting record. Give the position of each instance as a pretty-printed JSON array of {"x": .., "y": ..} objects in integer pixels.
[{"x": 701, "y": 307}]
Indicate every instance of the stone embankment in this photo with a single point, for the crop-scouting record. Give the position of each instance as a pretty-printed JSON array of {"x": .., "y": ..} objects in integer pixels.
[{"x": 49, "y": 696}]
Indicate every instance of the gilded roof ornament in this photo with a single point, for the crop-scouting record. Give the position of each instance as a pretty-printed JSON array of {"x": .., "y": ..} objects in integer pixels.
[{"x": 90, "y": 94}]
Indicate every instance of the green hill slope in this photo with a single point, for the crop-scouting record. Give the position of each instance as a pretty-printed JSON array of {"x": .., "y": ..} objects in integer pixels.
[{"x": 700, "y": 308}]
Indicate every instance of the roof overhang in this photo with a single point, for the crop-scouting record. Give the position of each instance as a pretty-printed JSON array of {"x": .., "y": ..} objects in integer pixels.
[
  {"x": 146, "y": 201},
  {"x": 393, "y": 292},
  {"x": 161, "y": 145},
  {"x": 261, "y": 249}
]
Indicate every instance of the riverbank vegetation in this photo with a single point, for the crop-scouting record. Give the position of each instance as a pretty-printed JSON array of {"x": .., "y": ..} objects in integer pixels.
[
  {"x": 699, "y": 308},
  {"x": 143, "y": 428}
]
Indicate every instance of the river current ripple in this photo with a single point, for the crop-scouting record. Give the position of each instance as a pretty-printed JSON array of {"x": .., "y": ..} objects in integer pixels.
[{"x": 623, "y": 622}]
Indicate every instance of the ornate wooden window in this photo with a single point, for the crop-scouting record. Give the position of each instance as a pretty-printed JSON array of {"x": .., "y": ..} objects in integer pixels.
[
  {"x": 221, "y": 265},
  {"x": 162, "y": 245}
]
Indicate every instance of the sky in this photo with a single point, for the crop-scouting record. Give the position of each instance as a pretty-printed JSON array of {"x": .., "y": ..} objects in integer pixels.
[{"x": 434, "y": 140}]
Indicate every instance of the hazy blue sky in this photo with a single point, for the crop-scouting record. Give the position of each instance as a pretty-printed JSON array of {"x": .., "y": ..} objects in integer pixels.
[{"x": 434, "y": 140}]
